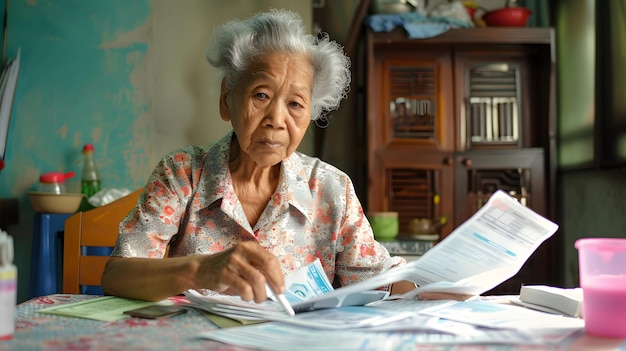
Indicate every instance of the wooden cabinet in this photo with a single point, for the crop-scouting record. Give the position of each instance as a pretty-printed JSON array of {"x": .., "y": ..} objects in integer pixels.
[{"x": 450, "y": 119}]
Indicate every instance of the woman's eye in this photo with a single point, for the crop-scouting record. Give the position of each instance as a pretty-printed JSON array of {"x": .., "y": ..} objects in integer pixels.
[
  {"x": 261, "y": 95},
  {"x": 295, "y": 104}
]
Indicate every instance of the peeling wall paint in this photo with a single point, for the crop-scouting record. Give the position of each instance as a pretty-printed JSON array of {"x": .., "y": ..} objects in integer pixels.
[{"x": 73, "y": 88}]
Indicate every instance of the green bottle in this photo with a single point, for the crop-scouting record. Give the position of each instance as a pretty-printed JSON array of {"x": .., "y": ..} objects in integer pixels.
[{"x": 90, "y": 181}]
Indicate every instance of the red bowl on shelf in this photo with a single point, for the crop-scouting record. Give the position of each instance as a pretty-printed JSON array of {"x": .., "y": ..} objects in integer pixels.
[{"x": 507, "y": 17}]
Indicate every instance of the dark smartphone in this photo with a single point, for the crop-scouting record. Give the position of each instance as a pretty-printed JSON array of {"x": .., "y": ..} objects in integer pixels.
[{"x": 156, "y": 311}]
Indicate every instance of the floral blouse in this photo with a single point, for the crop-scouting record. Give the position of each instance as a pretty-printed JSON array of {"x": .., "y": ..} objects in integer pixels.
[{"x": 189, "y": 203}]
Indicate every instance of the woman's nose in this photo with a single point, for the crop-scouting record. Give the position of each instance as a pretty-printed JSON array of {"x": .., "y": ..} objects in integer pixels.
[{"x": 275, "y": 115}]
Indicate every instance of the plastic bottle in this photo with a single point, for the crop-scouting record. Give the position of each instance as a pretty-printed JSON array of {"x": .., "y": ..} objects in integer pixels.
[
  {"x": 53, "y": 182},
  {"x": 90, "y": 181}
]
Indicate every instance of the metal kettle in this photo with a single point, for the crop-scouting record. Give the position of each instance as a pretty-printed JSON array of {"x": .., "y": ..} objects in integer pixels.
[{"x": 397, "y": 6}]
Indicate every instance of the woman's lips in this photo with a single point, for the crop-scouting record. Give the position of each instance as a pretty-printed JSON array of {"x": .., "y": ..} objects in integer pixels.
[{"x": 272, "y": 144}]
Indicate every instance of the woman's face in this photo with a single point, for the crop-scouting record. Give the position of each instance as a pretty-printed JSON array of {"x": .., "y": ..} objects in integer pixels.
[{"x": 270, "y": 109}]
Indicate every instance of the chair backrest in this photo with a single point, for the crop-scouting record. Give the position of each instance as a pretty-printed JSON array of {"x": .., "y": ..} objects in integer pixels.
[{"x": 88, "y": 239}]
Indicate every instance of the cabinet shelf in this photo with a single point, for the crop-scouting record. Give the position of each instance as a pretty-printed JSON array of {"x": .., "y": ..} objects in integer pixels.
[{"x": 487, "y": 35}]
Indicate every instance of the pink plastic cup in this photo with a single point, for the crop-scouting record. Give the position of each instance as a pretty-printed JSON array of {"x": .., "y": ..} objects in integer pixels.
[{"x": 602, "y": 263}]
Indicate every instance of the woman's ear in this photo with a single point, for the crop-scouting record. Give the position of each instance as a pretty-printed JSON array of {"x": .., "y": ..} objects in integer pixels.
[{"x": 224, "y": 107}]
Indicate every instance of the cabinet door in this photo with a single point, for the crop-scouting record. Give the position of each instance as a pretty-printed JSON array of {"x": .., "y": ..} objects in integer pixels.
[
  {"x": 410, "y": 99},
  {"x": 478, "y": 174},
  {"x": 494, "y": 97},
  {"x": 413, "y": 183},
  {"x": 521, "y": 173}
]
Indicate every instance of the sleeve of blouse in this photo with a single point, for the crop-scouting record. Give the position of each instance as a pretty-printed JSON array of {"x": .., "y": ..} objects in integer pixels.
[
  {"x": 362, "y": 256},
  {"x": 149, "y": 227}
]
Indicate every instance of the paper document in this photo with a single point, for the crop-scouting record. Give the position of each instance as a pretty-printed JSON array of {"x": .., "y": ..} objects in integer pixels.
[
  {"x": 483, "y": 252},
  {"x": 8, "y": 82},
  {"x": 347, "y": 317},
  {"x": 280, "y": 336},
  {"x": 502, "y": 316},
  {"x": 308, "y": 288},
  {"x": 105, "y": 308}
]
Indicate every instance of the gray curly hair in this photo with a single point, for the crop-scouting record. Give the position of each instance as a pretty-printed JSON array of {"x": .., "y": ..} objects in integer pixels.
[{"x": 235, "y": 44}]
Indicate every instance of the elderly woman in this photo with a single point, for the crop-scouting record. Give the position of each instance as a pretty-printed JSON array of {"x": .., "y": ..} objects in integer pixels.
[{"x": 249, "y": 208}]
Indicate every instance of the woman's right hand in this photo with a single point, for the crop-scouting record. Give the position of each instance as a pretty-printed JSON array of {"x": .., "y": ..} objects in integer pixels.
[{"x": 242, "y": 270}]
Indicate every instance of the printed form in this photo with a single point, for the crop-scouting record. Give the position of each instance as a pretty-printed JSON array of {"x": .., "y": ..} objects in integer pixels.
[{"x": 483, "y": 252}]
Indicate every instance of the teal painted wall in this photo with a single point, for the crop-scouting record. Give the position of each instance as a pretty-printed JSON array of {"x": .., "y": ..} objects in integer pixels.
[
  {"x": 128, "y": 76},
  {"x": 73, "y": 88}
]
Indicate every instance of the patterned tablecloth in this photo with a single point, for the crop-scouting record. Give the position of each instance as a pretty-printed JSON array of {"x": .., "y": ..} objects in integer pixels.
[{"x": 38, "y": 331}]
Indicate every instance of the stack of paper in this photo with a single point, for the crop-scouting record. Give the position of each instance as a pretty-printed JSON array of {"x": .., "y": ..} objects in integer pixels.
[
  {"x": 308, "y": 289},
  {"x": 480, "y": 254},
  {"x": 552, "y": 299}
]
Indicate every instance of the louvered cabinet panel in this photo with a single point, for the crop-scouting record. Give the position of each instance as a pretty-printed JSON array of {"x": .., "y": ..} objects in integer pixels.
[
  {"x": 493, "y": 120},
  {"x": 493, "y": 110},
  {"x": 412, "y": 192},
  {"x": 410, "y": 100},
  {"x": 416, "y": 185},
  {"x": 496, "y": 105}
]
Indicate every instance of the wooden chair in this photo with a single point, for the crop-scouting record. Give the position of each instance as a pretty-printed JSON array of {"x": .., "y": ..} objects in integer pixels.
[{"x": 93, "y": 228}]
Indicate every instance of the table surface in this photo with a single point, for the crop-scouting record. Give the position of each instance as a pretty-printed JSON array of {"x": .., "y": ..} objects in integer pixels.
[{"x": 37, "y": 331}]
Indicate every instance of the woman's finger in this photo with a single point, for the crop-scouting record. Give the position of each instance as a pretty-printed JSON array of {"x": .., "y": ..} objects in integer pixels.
[
  {"x": 267, "y": 264},
  {"x": 252, "y": 283}
]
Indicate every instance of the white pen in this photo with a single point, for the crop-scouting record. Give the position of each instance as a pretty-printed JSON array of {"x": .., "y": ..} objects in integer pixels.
[{"x": 283, "y": 301}]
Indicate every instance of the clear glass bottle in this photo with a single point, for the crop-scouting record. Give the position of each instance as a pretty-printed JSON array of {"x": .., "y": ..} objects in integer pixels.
[{"x": 90, "y": 181}]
